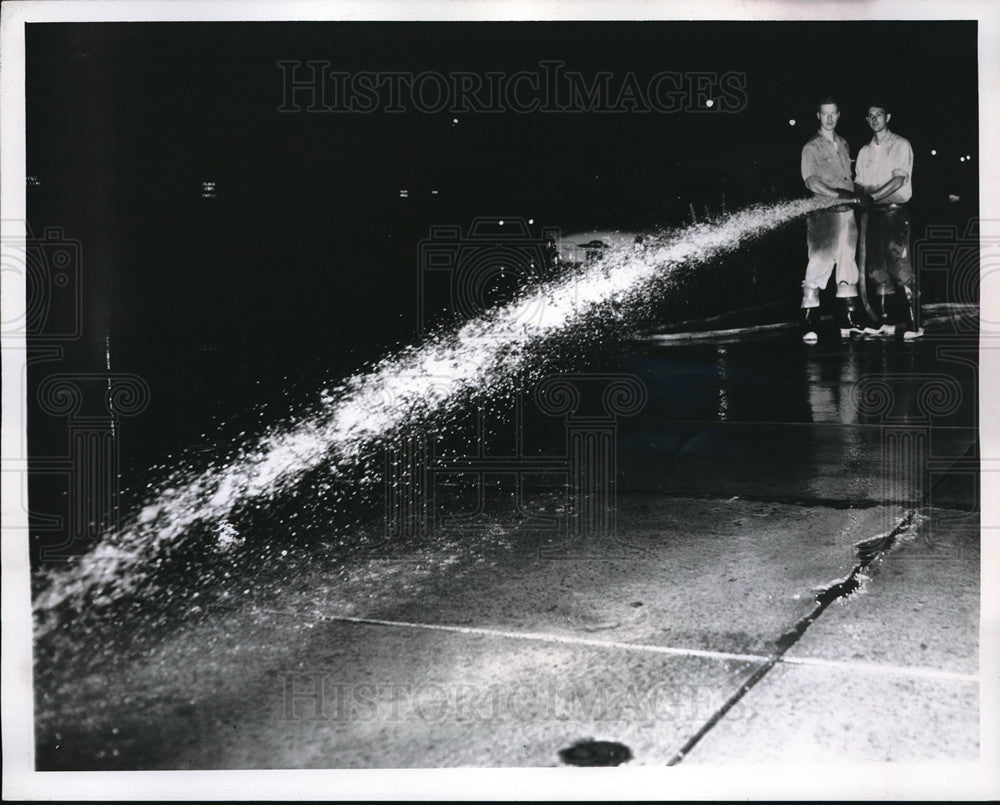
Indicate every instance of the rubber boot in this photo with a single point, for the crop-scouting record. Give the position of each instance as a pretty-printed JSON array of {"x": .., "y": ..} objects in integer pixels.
[
  {"x": 912, "y": 329},
  {"x": 851, "y": 327},
  {"x": 808, "y": 325},
  {"x": 886, "y": 327}
]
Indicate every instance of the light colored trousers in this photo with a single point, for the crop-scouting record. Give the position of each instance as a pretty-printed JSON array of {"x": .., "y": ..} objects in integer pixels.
[{"x": 832, "y": 236}]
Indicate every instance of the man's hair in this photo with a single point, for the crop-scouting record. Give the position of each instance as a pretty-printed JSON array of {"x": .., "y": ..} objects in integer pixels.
[
  {"x": 878, "y": 103},
  {"x": 825, "y": 100}
]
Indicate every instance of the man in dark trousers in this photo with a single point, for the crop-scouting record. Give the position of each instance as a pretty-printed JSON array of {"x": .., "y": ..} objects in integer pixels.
[
  {"x": 884, "y": 171},
  {"x": 832, "y": 234}
]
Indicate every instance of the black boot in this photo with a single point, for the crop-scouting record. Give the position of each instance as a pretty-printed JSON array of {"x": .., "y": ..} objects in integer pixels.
[
  {"x": 912, "y": 329},
  {"x": 808, "y": 325},
  {"x": 885, "y": 322},
  {"x": 851, "y": 326}
]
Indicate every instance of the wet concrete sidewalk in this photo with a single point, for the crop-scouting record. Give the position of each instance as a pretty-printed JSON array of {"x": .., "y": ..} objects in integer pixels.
[
  {"x": 693, "y": 636},
  {"x": 509, "y": 663},
  {"x": 682, "y": 649}
]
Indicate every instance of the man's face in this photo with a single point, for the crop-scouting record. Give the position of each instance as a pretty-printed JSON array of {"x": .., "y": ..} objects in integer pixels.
[
  {"x": 877, "y": 119},
  {"x": 828, "y": 115}
]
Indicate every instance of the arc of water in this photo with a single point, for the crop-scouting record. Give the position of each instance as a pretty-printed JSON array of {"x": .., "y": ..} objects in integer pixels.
[{"x": 409, "y": 386}]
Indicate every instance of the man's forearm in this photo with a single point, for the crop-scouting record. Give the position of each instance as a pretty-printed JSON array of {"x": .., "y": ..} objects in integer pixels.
[
  {"x": 821, "y": 188},
  {"x": 888, "y": 188}
]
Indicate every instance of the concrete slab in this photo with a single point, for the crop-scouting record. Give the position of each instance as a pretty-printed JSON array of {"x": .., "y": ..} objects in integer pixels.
[
  {"x": 920, "y": 606},
  {"x": 727, "y": 576},
  {"x": 346, "y": 695},
  {"x": 799, "y": 714},
  {"x": 701, "y": 575}
]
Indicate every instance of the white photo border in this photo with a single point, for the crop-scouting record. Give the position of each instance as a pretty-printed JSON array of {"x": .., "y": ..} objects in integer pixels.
[{"x": 905, "y": 781}]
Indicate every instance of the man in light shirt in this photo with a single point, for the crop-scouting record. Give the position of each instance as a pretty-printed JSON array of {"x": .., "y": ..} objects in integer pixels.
[
  {"x": 832, "y": 234},
  {"x": 884, "y": 172}
]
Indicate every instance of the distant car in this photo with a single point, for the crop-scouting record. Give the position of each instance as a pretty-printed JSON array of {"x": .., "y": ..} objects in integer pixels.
[{"x": 580, "y": 248}]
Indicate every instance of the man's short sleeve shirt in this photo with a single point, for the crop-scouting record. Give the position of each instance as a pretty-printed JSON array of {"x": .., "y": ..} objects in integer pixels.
[
  {"x": 830, "y": 162},
  {"x": 879, "y": 162}
]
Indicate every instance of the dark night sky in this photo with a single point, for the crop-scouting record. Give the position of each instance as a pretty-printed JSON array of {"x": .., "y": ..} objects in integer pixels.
[
  {"x": 130, "y": 118},
  {"x": 172, "y": 100},
  {"x": 306, "y": 263}
]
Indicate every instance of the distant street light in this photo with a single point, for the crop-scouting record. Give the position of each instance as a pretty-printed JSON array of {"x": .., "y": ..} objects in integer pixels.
[
  {"x": 791, "y": 122},
  {"x": 933, "y": 152}
]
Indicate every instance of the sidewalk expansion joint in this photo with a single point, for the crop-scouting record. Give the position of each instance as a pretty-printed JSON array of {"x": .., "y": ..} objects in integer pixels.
[
  {"x": 677, "y": 651},
  {"x": 867, "y": 552},
  {"x": 543, "y": 637},
  {"x": 883, "y": 669}
]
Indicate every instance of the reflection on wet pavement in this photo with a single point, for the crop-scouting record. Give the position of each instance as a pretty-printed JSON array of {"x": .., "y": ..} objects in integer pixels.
[{"x": 859, "y": 422}]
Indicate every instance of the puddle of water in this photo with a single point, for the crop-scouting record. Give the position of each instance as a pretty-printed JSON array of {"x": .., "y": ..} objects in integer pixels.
[{"x": 595, "y": 753}]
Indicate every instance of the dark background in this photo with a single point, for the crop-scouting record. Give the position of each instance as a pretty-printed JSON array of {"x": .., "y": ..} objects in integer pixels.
[{"x": 305, "y": 265}]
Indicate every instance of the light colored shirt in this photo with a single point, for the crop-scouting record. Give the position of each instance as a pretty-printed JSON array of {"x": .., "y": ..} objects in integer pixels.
[
  {"x": 830, "y": 162},
  {"x": 879, "y": 162}
]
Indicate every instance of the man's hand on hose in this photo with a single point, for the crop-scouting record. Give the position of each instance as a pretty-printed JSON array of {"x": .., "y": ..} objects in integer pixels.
[
  {"x": 847, "y": 196},
  {"x": 862, "y": 201},
  {"x": 865, "y": 202}
]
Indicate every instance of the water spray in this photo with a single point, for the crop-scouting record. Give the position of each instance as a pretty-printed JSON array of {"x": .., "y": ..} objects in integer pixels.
[{"x": 417, "y": 385}]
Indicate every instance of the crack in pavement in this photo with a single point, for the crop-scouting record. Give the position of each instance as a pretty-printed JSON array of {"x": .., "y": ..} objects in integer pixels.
[{"x": 867, "y": 551}]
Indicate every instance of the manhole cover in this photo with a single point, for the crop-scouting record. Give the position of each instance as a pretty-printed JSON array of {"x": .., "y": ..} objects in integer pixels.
[{"x": 595, "y": 753}]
